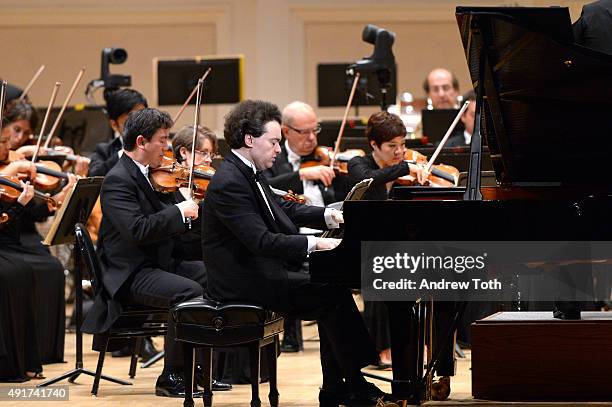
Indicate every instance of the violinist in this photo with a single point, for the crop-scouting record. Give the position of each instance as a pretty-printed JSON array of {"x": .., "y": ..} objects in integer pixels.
[
  {"x": 20, "y": 243},
  {"x": 385, "y": 133},
  {"x": 20, "y": 359},
  {"x": 119, "y": 104},
  {"x": 206, "y": 148},
  {"x": 137, "y": 242},
  {"x": 20, "y": 119},
  {"x": 318, "y": 184}
]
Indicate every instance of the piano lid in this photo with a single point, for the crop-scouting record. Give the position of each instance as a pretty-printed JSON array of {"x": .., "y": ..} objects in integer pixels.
[{"x": 547, "y": 112}]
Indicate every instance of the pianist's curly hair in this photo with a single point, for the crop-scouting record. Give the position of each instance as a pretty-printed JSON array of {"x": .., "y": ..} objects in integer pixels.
[
  {"x": 249, "y": 117},
  {"x": 384, "y": 126}
]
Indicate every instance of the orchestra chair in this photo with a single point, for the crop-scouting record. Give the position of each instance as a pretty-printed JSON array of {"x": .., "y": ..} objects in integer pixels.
[
  {"x": 208, "y": 324},
  {"x": 135, "y": 321}
]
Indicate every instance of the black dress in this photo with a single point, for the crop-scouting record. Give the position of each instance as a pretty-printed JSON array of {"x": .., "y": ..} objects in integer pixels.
[
  {"x": 20, "y": 243},
  {"x": 19, "y": 350}
]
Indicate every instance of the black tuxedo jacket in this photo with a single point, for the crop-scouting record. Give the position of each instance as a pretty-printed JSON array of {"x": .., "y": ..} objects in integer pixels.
[
  {"x": 137, "y": 233},
  {"x": 360, "y": 168},
  {"x": 104, "y": 158},
  {"x": 249, "y": 254},
  {"x": 282, "y": 176}
]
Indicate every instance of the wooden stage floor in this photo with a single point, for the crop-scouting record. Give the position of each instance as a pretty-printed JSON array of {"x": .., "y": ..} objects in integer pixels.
[{"x": 299, "y": 380}]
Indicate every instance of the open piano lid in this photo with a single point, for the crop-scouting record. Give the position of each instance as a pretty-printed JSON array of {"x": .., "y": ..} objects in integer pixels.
[{"x": 547, "y": 110}]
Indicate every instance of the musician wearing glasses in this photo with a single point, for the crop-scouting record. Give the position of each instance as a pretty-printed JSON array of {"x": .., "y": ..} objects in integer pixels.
[{"x": 318, "y": 184}]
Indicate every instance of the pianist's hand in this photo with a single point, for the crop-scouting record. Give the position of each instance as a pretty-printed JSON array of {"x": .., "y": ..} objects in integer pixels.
[
  {"x": 337, "y": 216},
  {"x": 325, "y": 243},
  {"x": 419, "y": 173}
]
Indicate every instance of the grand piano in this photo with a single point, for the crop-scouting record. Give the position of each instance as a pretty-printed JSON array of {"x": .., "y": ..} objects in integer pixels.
[{"x": 544, "y": 105}]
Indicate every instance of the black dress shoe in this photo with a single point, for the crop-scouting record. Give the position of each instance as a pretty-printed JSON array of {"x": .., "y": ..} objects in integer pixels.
[
  {"x": 289, "y": 346},
  {"x": 123, "y": 352},
  {"x": 148, "y": 350},
  {"x": 217, "y": 385},
  {"x": 172, "y": 385},
  {"x": 333, "y": 396},
  {"x": 366, "y": 394}
]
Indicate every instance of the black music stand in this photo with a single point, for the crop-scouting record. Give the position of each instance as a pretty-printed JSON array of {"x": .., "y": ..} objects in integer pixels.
[{"x": 76, "y": 209}]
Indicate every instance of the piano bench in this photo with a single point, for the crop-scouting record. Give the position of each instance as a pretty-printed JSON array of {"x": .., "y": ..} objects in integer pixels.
[{"x": 210, "y": 324}]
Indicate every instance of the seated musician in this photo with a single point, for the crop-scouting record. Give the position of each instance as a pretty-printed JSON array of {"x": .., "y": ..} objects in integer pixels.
[
  {"x": 441, "y": 87},
  {"x": 385, "y": 164},
  {"x": 137, "y": 242},
  {"x": 385, "y": 133},
  {"x": 119, "y": 104},
  {"x": 464, "y": 138},
  {"x": 20, "y": 119},
  {"x": 252, "y": 248},
  {"x": 318, "y": 184},
  {"x": 20, "y": 355},
  {"x": 204, "y": 153},
  {"x": 594, "y": 27},
  {"x": 21, "y": 244}
]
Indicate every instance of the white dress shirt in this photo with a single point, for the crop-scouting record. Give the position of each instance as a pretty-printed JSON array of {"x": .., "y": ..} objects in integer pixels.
[{"x": 311, "y": 190}]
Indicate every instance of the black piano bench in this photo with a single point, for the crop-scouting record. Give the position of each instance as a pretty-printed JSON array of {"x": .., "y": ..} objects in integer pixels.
[{"x": 210, "y": 324}]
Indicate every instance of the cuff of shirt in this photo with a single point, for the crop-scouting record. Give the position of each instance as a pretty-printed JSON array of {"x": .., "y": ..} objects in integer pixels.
[
  {"x": 181, "y": 210},
  {"x": 312, "y": 243},
  {"x": 120, "y": 153},
  {"x": 329, "y": 221}
]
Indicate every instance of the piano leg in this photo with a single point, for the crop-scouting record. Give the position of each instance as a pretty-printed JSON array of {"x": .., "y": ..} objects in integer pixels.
[{"x": 404, "y": 329}]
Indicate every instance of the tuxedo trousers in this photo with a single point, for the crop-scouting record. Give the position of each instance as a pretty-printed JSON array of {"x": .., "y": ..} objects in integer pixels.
[
  {"x": 164, "y": 289},
  {"x": 345, "y": 344}
]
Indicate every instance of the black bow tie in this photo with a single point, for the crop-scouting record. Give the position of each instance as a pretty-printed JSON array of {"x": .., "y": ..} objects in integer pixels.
[{"x": 257, "y": 176}]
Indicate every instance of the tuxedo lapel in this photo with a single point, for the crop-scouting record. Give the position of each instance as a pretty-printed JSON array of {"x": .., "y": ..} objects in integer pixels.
[
  {"x": 141, "y": 181},
  {"x": 249, "y": 176}
]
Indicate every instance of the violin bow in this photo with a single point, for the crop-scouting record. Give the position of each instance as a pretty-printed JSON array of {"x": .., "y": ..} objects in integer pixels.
[
  {"x": 59, "y": 116},
  {"x": 182, "y": 109},
  {"x": 44, "y": 124},
  {"x": 346, "y": 112},
  {"x": 196, "y": 125},
  {"x": 2, "y": 97},
  {"x": 446, "y": 136},
  {"x": 31, "y": 83}
]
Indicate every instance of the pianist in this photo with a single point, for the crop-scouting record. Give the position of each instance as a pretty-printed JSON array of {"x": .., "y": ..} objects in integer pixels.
[
  {"x": 464, "y": 138},
  {"x": 251, "y": 248}
]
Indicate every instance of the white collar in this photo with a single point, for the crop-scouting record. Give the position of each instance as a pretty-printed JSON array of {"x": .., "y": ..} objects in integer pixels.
[
  {"x": 467, "y": 137},
  {"x": 291, "y": 156},
  {"x": 248, "y": 163},
  {"x": 143, "y": 168}
]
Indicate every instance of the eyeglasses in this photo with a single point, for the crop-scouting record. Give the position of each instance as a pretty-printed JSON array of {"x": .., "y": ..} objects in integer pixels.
[
  {"x": 205, "y": 154},
  {"x": 305, "y": 132}
]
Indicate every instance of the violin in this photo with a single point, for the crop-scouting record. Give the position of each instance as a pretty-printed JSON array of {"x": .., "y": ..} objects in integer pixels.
[
  {"x": 10, "y": 189},
  {"x": 170, "y": 176},
  {"x": 441, "y": 175},
  {"x": 323, "y": 156},
  {"x": 48, "y": 175}
]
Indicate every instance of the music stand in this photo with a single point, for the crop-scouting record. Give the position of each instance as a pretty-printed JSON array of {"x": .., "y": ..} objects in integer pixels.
[{"x": 76, "y": 208}]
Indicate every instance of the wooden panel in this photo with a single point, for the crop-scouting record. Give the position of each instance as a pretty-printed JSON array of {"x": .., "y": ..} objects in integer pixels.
[{"x": 535, "y": 358}]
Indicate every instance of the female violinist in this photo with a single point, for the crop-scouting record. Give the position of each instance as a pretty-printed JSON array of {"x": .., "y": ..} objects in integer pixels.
[
  {"x": 17, "y": 312},
  {"x": 25, "y": 305},
  {"x": 385, "y": 133},
  {"x": 206, "y": 149},
  {"x": 21, "y": 242},
  {"x": 19, "y": 120}
]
